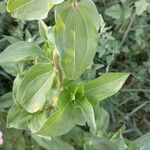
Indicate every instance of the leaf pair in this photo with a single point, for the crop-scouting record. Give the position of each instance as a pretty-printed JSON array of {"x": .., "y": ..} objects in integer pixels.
[
  {"x": 70, "y": 112},
  {"x": 74, "y": 108},
  {"x": 30, "y": 94},
  {"x": 76, "y": 30}
]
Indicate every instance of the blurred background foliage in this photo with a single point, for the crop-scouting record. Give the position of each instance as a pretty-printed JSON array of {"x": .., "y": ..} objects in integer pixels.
[{"x": 124, "y": 47}]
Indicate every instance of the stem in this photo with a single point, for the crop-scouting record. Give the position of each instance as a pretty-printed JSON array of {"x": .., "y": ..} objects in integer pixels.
[
  {"x": 128, "y": 30},
  {"x": 58, "y": 69}
]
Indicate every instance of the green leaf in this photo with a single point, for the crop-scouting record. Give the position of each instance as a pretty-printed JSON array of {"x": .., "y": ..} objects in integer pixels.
[
  {"x": 82, "y": 106},
  {"x": 70, "y": 112},
  {"x": 76, "y": 135},
  {"x": 43, "y": 29},
  {"x": 76, "y": 36},
  {"x": 12, "y": 5},
  {"x": 30, "y": 9},
  {"x": 49, "y": 49},
  {"x": 106, "y": 85},
  {"x": 140, "y": 144},
  {"x": 6, "y": 100},
  {"x": 17, "y": 118},
  {"x": 37, "y": 121},
  {"x": 114, "y": 11},
  {"x": 34, "y": 86},
  {"x": 16, "y": 86},
  {"x": 86, "y": 113},
  {"x": 61, "y": 121},
  {"x": 118, "y": 139},
  {"x": 141, "y": 6},
  {"x": 11, "y": 68},
  {"x": 20, "y": 51},
  {"x": 100, "y": 144},
  {"x": 54, "y": 143},
  {"x": 102, "y": 118}
]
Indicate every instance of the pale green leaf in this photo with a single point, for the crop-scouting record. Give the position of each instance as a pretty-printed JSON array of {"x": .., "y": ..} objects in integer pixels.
[
  {"x": 31, "y": 93},
  {"x": 53, "y": 144},
  {"x": 43, "y": 29},
  {"x": 12, "y": 5},
  {"x": 6, "y": 100},
  {"x": 11, "y": 39},
  {"x": 86, "y": 113},
  {"x": 76, "y": 36},
  {"x": 20, "y": 51},
  {"x": 37, "y": 121},
  {"x": 82, "y": 106},
  {"x": 61, "y": 121},
  {"x": 100, "y": 144},
  {"x": 118, "y": 139},
  {"x": 11, "y": 68},
  {"x": 141, "y": 6},
  {"x": 29, "y": 9},
  {"x": 16, "y": 85},
  {"x": 17, "y": 118},
  {"x": 106, "y": 85},
  {"x": 102, "y": 118},
  {"x": 70, "y": 112},
  {"x": 143, "y": 143}
]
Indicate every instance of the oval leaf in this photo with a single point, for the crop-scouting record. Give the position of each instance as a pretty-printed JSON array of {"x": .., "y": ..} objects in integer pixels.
[
  {"x": 20, "y": 51},
  {"x": 34, "y": 86},
  {"x": 76, "y": 36},
  {"x": 30, "y": 9}
]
